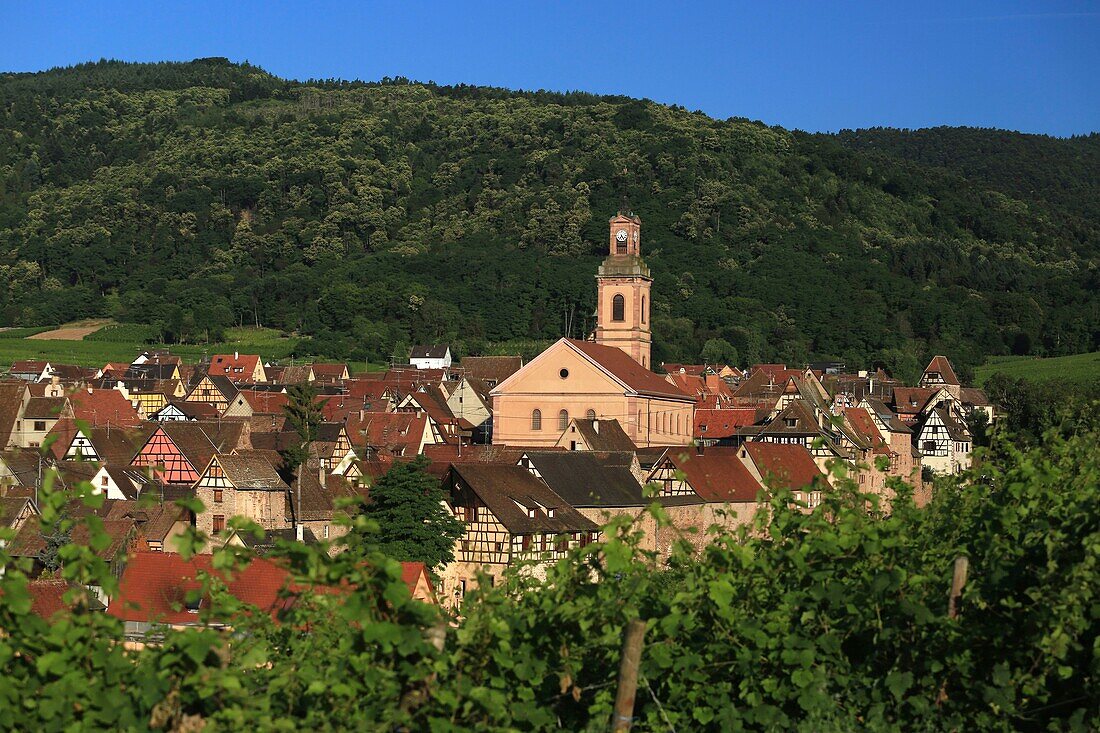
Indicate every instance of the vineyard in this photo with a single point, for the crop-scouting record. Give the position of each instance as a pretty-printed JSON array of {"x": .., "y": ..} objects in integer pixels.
[{"x": 835, "y": 619}]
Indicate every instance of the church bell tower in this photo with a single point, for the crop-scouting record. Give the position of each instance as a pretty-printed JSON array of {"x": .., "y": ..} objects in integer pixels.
[{"x": 623, "y": 283}]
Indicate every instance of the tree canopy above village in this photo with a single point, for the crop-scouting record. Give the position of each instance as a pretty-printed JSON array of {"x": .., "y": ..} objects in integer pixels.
[{"x": 360, "y": 216}]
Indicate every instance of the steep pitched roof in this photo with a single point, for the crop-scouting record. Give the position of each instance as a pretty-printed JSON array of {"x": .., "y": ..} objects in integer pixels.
[
  {"x": 11, "y": 507},
  {"x": 626, "y": 370},
  {"x": 974, "y": 396},
  {"x": 887, "y": 416},
  {"x": 104, "y": 406},
  {"x": 942, "y": 366},
  {"x": 508, "y": 490},
  {"x": 604, "y": 435},
  {"x": 310, "y": 499},
  {"x": 250, "y": 472},
  {"x": 268, "y": 403},
  {"x": 154, "y": 586},
  {"x": 588, "y": 479},
  {"x": 913, "y": 399},
  {"x": 199, "y": 441},
  {"x": 435, "y": 351},
  {"x": 862, "y": 423},
  {"x": 238, "y": 367},
  {"x": 718, "y": 424},
  {"x": 11, "y": 402},
  {"x": 717, "y": 474},
  {"x": 494, "y": 369},
  {"x": 398, "y": 432},
  {"x": 46, "y": 408},
  {"x": 784, "y": 465}
]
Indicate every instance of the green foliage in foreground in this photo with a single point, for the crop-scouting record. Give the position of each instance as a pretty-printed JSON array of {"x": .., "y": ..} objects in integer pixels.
[{"x": 833, "y": 620}]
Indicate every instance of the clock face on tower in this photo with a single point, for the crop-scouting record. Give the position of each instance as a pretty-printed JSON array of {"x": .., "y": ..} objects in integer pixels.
[{"x": 621, "y": 235}]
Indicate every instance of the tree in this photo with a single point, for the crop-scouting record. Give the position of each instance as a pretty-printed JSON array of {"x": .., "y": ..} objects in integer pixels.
[
  {"x": 59, "y": 535},
  {"x": 304, "y": 414},
  {"x": 719, "y": 351},
  {"x": 414, "y": 524}
]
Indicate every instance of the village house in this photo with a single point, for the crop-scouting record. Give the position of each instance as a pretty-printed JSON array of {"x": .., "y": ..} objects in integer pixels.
[
  {"x": 237, "y": 367},
  {"x": 512, "y": 518},
  {"x": 430, "y": 357},
  {"x": 240, "y": 485}
]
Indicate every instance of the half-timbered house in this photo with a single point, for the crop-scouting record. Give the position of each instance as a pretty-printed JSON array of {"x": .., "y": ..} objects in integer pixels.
[
  {"x": 240, "y": 485},
  {"x": 511, "y": 517}
]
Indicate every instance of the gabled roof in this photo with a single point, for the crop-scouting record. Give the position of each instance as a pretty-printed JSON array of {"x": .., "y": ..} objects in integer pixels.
[
  {"x": 11, "y": 507},
  {"x": 493, "y": 369},
  {"x": 44, "y": 408},
  {"x": 913, "y": 399},
  {"x": 399, "y": 432},
  {"x": 193, "y": 410},
  {"x": 315, "y": 495},
  {"x": 718, "y": 424},
  {"x": 783, "y": 465},
  {"x": 588, "y": 479},
  {"x": 974, "y": 397},
  {"x": 268, "y": 403},
  {"x": 153, "y": 521},
  {"x": 104, "y": 407},
  {"x": 329, "y": 372},
  {"x": 604, "y": 435},
  {"x": 28, "y": 366},
  {"x": 249, "y": 472},
  {"x": 198, "y": 441},
  {"x": 435, "y": 351},
  {"x": 507, "y": 490},
  {"x": 942, "y": 366},
  {"x": 623, "y": 369},
  {"x": 888, "y": 417},
  {"x": 154, "y": 586},
  {"x": 803, "y": 417},
  {"x": 716, "y": 474},
  {"x": 863, "y": 425},
  {"x": 956, "y": 430},
  {"x": 226, "y": 365},
  {"x": 11, "y": 402}
]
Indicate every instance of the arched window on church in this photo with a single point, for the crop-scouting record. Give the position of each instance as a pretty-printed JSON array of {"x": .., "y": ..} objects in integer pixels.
[
  {"x": 590, "y": 415},
  {"x": 618, "y": 308},
  {"x": 536, "y": 420},
  {"x": 563, "y": 420},
  {"x": 643, "y": 309}
]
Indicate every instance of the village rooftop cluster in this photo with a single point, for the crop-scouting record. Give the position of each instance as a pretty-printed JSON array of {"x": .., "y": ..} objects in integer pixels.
[{"x": 534, "y": 458}]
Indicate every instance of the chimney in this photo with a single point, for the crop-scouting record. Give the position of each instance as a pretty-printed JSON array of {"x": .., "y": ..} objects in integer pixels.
[
  {"x": 596, "y": 426},
  {"x": 299, "y": 533},
  {"x": 700, "y": 449},
  {"x": 321, "y": 473},
  {"x": 236, "y": 356}
]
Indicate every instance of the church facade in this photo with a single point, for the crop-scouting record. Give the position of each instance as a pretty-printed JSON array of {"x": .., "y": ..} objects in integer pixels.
[{"x": 605, "y": 378}]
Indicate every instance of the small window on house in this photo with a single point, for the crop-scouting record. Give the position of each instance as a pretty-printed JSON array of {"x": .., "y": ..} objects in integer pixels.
[
  {"x": 929, "y": 446},
  {"x": 536, "y": 419},
  {"x": 563, "y": 420},
  {"x": 618, "y": 308},
  {"x": 103, "y": 481},
  {"x": 564, "y": 373},
  {"x": 326, "y": 532},
  {"x": 590, "y": 415},
  {"x": 790, "y": 422},
  {"x": 217, "y": 496},
  {"x": 219, "y": 523},
  {"x": 39, "y": 425}
]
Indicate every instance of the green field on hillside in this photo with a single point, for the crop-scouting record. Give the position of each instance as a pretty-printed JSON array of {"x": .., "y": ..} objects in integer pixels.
[
  {"x": 111, "y": 344},
  {"x": 1078, "y": 368}
]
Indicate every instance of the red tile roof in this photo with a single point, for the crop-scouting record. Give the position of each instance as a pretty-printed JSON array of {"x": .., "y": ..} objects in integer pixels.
[
  {"x": 943, "y": 366},
  {"x": 226, "y": 365},
  {"x": 628, "y": 371},
  {"x": 717, "y": 474},
  {"x": 784, "y": 465},
  {"x": 154, "y": 586},
  {"x": 862, "y": 422},
  {"x": 102, "y": 407},
  {"x": 267, "y": 403},
  {"x": 722, "y": 423},
  {"x": 47, "y": 596}
]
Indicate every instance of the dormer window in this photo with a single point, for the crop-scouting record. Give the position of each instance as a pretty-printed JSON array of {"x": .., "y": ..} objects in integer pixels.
[{"x": 790, "y": 422}]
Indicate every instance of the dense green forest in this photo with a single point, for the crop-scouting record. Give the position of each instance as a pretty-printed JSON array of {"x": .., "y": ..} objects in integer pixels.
[{"x": 362, "y": 216}]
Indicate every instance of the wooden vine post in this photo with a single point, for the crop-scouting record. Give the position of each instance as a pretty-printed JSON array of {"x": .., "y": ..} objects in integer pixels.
[
  {"x": 631, "y": 657},
  {"x": 958, "y": 580}
]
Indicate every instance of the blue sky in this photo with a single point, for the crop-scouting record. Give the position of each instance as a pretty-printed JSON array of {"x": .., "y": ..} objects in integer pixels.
[{"x": 1030, "y": 66}]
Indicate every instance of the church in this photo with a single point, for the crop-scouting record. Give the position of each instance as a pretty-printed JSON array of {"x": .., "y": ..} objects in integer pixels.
[{"x": 605, "y": 378}]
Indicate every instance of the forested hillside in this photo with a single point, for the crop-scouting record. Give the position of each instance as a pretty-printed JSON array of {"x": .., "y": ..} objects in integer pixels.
[{"x": 365, "y": 216}]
